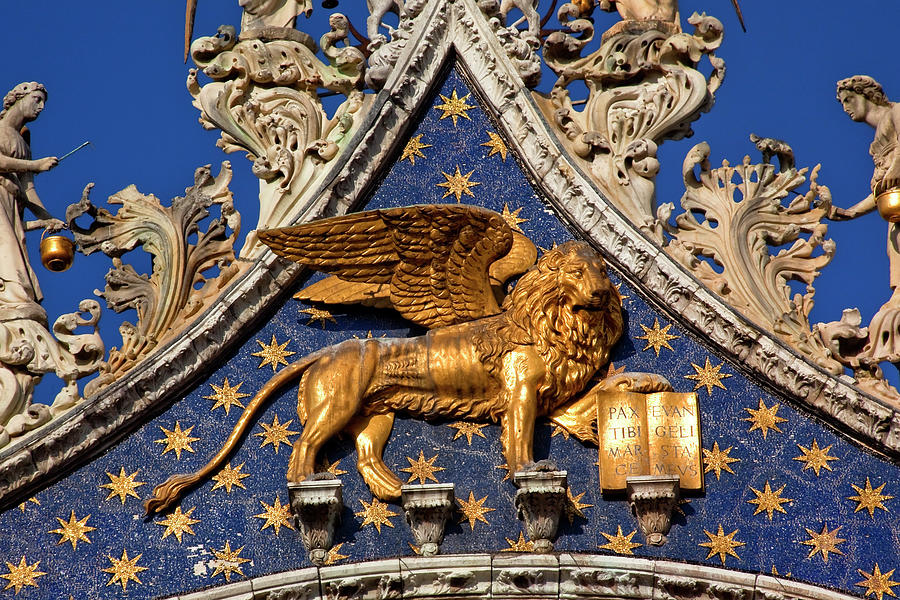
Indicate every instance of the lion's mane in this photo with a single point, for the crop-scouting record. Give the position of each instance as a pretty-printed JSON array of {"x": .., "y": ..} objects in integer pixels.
[{"x": 573, "y": 343}]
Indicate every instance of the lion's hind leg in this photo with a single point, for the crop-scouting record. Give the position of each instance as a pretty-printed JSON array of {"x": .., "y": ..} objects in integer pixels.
[
  {"x": 372, "y": 433},
  {"x": 331, "y": 394}
]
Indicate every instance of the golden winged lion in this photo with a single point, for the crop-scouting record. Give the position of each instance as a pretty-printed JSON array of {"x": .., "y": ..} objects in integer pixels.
[{"x": 486, "y": 357}]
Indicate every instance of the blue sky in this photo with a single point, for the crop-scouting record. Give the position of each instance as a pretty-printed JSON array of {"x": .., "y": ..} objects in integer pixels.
[{"x": 115, "y": 76}]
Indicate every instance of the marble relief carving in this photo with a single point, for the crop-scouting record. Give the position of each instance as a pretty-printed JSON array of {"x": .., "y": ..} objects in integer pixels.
[
  {"x": 186, "y": 276},
  {"x": 263, "y": 96}
]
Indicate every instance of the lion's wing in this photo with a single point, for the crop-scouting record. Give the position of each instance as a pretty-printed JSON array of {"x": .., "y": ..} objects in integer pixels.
[{"x": 435, "y": 258}]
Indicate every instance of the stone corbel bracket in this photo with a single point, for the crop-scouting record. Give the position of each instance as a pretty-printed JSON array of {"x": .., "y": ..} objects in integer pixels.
[
  {"x": 652, "y": 499},
  {"x": 540, "y": 502},
  {"x": 428, "y": 507},
  {"x": 317, "y": 504}
]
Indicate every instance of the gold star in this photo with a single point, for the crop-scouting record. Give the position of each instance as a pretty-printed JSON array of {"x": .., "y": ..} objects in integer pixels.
[
  {"x": 620, "y": 544},
  {"x": 276, "y": 516},
  {"x": 177, "y": 440},
  {"x": 226, "y": 396},
  {"x": 458, "y": 184},
  {"x": 21, "y": 575},
  {"x": 707, "y": 376},
  {"x": 334, "y": 554},
  {"x": 777, "y": 574},
  {"x": 678, "y": 509},
  {"x": 876, "y": 583},
  {"x": 228, "y": 561},
  {"x": 721, "y": 544},
  {"x": 32, "y": 500},
  {"x": 178, "y": 523},
  {"x": 512, "y": 218},
  {"x": 422, "y": 469},
  {"x": 73, "y": 531},
  {"x": 473, "y": 510},
  {"x": 574, "y": 507},
  {"x": 621, "y": 295},
  {"x": 718, "y": 460},
  {"x": 122, "y": 485},
  {"x": 815, "y": 458},
  {"x": 330, "y": 467},
  {"x": 468, "y": 430},
  {"x": 377, "y": 514},
  {"x": 764, "y": 418},
  {"x": 413, "y": 149},
  {"x": 505, "y": 467},
  {"x": 454, "y": 107},
  {"x": 824, "y": 542},
  {"x": 658, "y": 339},
  {"x": 274, "y": 353},
  {"x": 276, "y": 433},
  {"x": 869, "y": 498},
  {"x": 769, "y": 501},
  {"x": 124, "y": 569},
  {"x": 496, "y": 144},
  {"x": 229, "y": 477},
  {"x": 520, "y": 545},
  {"x": 315, "y": 314}
]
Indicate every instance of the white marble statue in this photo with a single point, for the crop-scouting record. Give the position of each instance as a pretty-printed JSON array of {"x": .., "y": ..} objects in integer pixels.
[{"x": 27, "y": 349}]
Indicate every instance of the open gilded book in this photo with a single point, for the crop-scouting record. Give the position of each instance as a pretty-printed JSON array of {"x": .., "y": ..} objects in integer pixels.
[{"x": 649, "y": 434}]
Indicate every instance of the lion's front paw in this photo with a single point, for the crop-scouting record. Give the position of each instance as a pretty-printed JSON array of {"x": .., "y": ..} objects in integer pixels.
[{"x": 644, "y": 383}]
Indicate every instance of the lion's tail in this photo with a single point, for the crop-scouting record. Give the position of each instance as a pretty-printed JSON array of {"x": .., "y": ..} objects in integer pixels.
[{"x": 169, "y": 492}]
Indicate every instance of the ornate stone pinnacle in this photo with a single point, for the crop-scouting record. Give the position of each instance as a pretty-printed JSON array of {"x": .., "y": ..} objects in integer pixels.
[
  {"x": 427, "y": 509},
  {"x": 317, "y": 504},
  {"x": 652, "y": 499},
  {"x": 540, "y": 502}
]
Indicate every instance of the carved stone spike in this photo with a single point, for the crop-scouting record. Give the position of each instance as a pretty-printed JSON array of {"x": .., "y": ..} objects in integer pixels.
[
  {"x": 652, "y": 499},
  {"x": 317, "y": 506},
  {"x": 427, "y": 509},
  {"x": 540, "y": 502}
]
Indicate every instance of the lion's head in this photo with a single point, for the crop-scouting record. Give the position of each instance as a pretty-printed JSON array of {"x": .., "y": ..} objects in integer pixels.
[{"x": 567, "y": 307}]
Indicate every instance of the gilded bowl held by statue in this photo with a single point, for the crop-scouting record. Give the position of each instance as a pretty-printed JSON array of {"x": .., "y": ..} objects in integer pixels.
[
  {"x": 57, "y": 252},
  {"x": 889, "y": 204}
]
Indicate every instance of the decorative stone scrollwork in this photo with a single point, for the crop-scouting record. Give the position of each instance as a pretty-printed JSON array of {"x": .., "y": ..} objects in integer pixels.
[
  {"x": 427, "y": 509},
  {"x": 540, "y": 502},
  {"x": 180, "y": 284},
  {"x": 644, "y": 87},
  {"x": 264, "y": 99},
  {"x": 317, "y": 504},
  {"x": 520, "y": 46},
  {"x": 652, "y": 499},
  {"x": 737, "y": 234},
  {"x": 384, "y": 52}
]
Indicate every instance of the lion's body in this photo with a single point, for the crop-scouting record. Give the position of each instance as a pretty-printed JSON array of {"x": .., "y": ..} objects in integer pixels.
[{"x": 558, "y": 326}]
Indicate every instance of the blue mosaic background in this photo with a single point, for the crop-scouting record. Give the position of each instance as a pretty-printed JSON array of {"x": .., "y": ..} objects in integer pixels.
[{"x": 869, "y": 542}]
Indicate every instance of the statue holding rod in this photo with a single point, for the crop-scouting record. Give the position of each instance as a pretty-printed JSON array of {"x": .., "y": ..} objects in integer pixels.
[
  {"x": 27, "y": 348},
  {"x": 864, "y": 100}
]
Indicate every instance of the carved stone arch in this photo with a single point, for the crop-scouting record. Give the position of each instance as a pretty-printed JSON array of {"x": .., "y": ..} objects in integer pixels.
[
  {"x": 525, "y": 576},
  {"x": 442, "y": 30}
]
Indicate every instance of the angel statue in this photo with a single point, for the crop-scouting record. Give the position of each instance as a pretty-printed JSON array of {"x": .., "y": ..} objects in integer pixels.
[
  {"x": 488, "y": 356},
  {"x": 27, "y": 350},
  {"x": 864, "y": 100}
]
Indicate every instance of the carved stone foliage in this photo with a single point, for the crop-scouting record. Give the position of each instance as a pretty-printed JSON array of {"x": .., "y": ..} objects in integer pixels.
[
  {"x": 317, "y": 505},
  {"x": 179, "y": 285},
  {"x": 652, "y": 499},
  {"x": 264, "y": 99},
  {"x": 427, "y": 508},
  {"x": 644, "y": 87},
  {"x": 739, "y": 235},
  {"x": 386, "y": 50},
  {"x": 520, "y": 46},
  {"x": 540, "y": 502}
]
